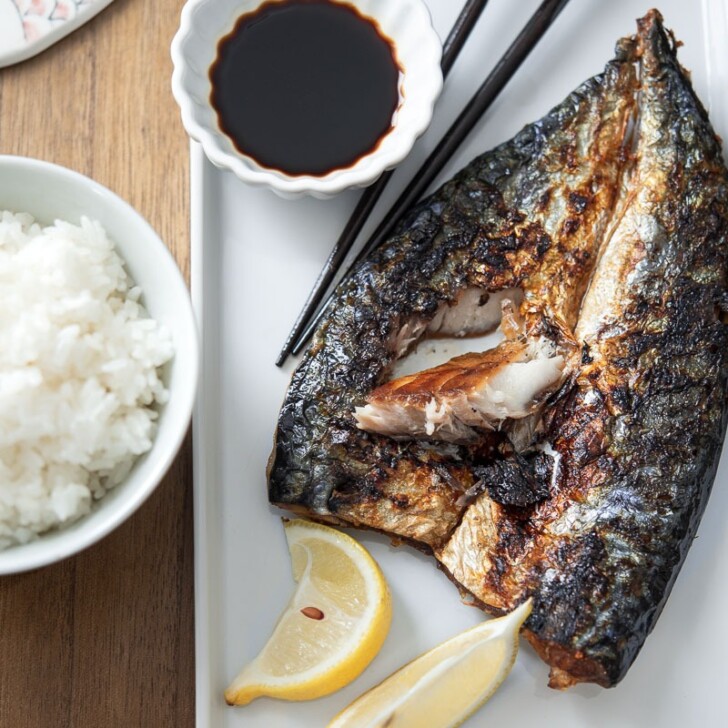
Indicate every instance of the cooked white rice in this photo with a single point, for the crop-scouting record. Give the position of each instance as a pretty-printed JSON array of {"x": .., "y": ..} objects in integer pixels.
[{"x": 79, "y": 373}]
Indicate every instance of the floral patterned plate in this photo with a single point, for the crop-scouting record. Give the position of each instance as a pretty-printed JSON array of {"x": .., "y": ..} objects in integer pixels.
[{"x": 28, "y": 27}]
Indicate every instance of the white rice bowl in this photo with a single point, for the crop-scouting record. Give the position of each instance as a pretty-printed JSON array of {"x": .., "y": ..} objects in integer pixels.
[{"x": 80, "y": 375}]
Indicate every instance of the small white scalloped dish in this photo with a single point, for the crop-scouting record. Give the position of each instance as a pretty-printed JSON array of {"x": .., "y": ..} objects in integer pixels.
[{"x": 406, "y": 22}]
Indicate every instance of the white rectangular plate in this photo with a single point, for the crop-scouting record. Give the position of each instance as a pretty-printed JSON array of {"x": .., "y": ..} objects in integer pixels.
[{"x": 254, "y": 259}]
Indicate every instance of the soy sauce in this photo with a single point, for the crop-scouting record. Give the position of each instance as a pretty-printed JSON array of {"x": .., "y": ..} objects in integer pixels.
[{"x": 305, "y": 86}]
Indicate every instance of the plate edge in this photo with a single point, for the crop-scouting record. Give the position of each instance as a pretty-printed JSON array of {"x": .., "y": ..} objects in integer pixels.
[{"x": 204, "y": 550}]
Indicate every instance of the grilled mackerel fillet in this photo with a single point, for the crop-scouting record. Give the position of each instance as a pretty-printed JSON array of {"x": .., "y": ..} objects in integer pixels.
[{"x": 600, "y": 247}]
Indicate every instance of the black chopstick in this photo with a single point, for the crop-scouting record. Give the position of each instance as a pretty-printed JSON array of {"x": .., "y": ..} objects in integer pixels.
[
  {"x": 526, "y": 41},
  {"x": 450, "y": 50}
]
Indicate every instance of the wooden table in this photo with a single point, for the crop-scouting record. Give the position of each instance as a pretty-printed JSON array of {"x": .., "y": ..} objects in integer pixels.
[{"x": 106, "y": 638}]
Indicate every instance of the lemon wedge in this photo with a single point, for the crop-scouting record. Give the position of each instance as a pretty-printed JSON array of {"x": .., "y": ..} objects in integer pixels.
[
  {"x": 446, "y": 685},
  {"x": 333, "y": 626}
]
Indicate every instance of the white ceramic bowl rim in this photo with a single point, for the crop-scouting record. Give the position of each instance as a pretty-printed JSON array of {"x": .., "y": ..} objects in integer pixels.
[
  {"x": 151, "y": 467},
  {"x": 203, "y": 22}
]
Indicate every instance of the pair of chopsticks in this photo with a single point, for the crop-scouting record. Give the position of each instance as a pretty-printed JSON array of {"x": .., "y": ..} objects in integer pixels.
[{"x": 504, "y": 70}]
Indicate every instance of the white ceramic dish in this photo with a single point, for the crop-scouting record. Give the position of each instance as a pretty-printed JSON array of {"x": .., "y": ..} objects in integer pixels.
[
  {"x": 406, "y": 22},
  {"x": 50, "y": 192},
  {"x": 247, "y": 295},
  {"x": 28, "y": 27}
]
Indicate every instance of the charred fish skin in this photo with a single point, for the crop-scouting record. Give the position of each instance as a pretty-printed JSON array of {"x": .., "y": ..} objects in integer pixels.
[
  {"x": 490, "y": 228},
  {"x": 659, "y": 373},
  {"x": 640, "y": 432}
]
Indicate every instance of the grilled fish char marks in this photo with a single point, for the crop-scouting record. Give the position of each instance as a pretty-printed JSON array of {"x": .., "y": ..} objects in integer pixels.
[
  {"x": 640, "y": 436},
  {"x": 635, "y": 429}
]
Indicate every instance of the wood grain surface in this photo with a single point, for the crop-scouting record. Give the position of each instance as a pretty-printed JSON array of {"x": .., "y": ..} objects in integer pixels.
[{"x": 105, "y": 639}]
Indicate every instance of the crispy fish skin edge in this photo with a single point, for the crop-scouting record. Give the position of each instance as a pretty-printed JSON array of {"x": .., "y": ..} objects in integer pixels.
[
  {"x": 640, "y": 433},
  {"x": 472, "y": 232}
]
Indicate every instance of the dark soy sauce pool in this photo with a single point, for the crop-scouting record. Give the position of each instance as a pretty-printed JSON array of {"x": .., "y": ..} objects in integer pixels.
[{"x": 305, "y": 86}]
